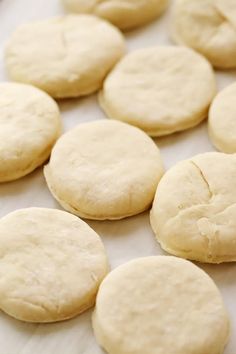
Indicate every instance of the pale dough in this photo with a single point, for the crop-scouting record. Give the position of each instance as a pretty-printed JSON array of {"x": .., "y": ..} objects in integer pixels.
[
  {"x": 65, "y": 56},
  {"x": 208, "y": 26},
  {"x": 29, "y": 126},
  {"x": 160, "y": 305},
  {"x": 194, "y": 210},
  {"x": 222, "y": 120},
  {"x": 125, "y": 14},
  {"x": 51, "y": 264},
  {"x": 161, "y": 90},
  {"x": 104, "y": 170}
]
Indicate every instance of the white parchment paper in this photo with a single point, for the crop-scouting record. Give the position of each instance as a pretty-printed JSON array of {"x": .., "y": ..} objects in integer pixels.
[{"x": 125, "y": 239}]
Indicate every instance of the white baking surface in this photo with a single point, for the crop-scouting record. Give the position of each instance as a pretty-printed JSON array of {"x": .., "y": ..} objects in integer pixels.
[{"x": 124, "y": 240}]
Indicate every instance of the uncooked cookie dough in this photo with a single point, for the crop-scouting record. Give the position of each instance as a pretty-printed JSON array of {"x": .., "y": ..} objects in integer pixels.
[
  {"x": 29, "y": 126},
  {"x": 194, "y": 210},
  {"x": 65, "y": 56},
  {"x": 104, "y": 170},
  {"x": 208, "y": 26},
  {"x": 161, "y": 90},
  {"x": 158, "y": 305},
  {"x": 125, "y": 14},
  {"x": 222, "y": 120},
  {"x": 51, "y": 264}
]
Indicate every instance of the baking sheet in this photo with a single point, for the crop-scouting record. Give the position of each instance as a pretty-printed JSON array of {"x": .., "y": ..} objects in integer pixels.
[{"x": 125, "y": 239}]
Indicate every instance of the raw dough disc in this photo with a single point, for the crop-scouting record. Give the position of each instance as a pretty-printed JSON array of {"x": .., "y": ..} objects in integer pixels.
[
  {"x": 208, "y": 26},
  {"x": 104, "y": 170},
  {"x": 29, "y": 126},
  {"x": 65, "y": 56},
  {"x": 51, "y": 264},
  {"x": 161, "y": 90},
  {"x": 160, "y": 305},
  {"x": 222, "y": 120},
  {"x": 125, "y": 14},
  {"x": 194, "y": 210}
]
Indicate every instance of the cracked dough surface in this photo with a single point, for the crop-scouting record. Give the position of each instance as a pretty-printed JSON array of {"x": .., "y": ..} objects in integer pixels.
[
  {"x": 125, "y": 14},
  {"x": 194, "y": 210},
  {"x": 51, "y": 264},
  {"x": 65, "y": 56},
  {"x": 146, "y": 89},
  {"x": 160, "y": 305},
  {"x": 222, "y": 120},
  {"x": 29, "y": 126},
  {"x": 104, "y": 170},
  {"x": 208, "y": 26}
]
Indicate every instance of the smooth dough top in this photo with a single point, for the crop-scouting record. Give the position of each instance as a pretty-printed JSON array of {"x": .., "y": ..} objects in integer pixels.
[
  {"x": 161, "y": 89},
  {"x": 125, "y": 14},
  {"x": 160, "y": 305},
  {"x": 104, "y": 170},
  {"x": 222, "y": 120},
  {"x": 208, "y": 26},
  {"x": 51, "y": 264},
  {"x": 65, "y": 56},
  {"x": 29, "y": 126},
  {"x": 194, "y": 210}
]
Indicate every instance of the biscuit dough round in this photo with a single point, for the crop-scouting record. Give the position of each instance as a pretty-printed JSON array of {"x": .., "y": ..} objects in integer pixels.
[
  {"x": 160, "y": 305},
  {"x": 222, "y": 120},
  {"x": 65, "y": 56},
  {"x": 161, "y": 90},
  {"x": 125, "y": 14},
  {"x": 104, "y": 170},
  {"x": 51, "y": 265},
  {"x": 194, "y": 210},
  {"x": 208, "y": 26},
  {"x": 29, "y": 126}
]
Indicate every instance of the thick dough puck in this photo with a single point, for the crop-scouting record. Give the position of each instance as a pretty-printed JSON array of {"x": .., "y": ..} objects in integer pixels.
[
  {"x": 161, "y": 90},
  {"x": 158, "y": 305},
  {"x": 29, "y": 126},
  {"x": 104, "y": 170},
  {"x": 51, "y": 264},
  {"x": 65, "y": 56},
  {"x": 194, "y": 210}
]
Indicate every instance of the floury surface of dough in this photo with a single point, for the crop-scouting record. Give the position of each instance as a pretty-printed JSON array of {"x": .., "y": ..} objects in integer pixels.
[
  {"x": 66, "y": 56},
  {"x": 29, "y": 126},
  {"x": 194, "y": 210},
  {"x": 160, "y": 89},
  {"x": 222, "y": 120},
  {"x": 125, "y": 14},
  {"x": 208, "y": 26},
  {"x": 160, "y": 305},
  {"x": 51, "y": 264},
  {"x": 104, "y": 170}
]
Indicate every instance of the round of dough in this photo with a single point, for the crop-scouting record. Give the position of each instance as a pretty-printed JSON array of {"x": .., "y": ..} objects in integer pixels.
[
  {"x": 160, "y": 305},
  {"x": 208, "y": 26},
  {"x": 51, "y": 264},
  {"x": 104, "y": 170},
  {"x": 125, "y": 14},
  {"x": 222, "y": 120},
  {"x": 29, "y": 126},
  {"x": 194, "y": 210},
  {"x": 65, "y": 56},
  {"x": 161, "y": 90}
]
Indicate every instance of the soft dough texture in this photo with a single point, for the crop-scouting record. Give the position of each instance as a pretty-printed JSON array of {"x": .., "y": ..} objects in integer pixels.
[
  {"x": 125, "y": 14},
  {"x": 161, "y": 90},
  {"x": 208, "y": 26},
  {"x": 29, "y": 126},
  {"x": 160, "y": 305},
  {"x": 66, "y": 56},
  {"x": 222, "y": 120},
  {"x": 104, "y": 170},
  {"x": 194, "y": 210},
  {"x": 51, "y": 264}
]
